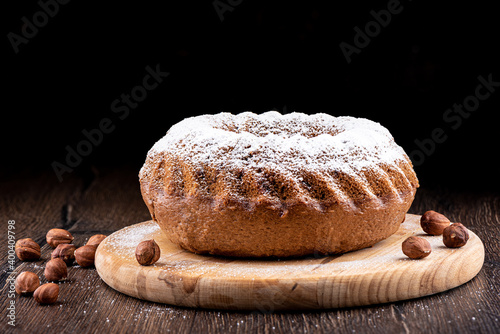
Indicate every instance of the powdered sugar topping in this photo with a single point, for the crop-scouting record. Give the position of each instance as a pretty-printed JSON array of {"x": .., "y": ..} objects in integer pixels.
[{"x": 284, "y": 142}]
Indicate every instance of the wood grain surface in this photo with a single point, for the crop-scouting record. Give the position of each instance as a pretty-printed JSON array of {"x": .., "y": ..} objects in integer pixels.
[
  {"x": 104, "y": 200},
  {"x": 374, "y": 275}
]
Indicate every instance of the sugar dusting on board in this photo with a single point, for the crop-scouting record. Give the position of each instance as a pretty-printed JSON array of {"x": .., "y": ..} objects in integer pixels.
[{"x": 125, "y": 242}]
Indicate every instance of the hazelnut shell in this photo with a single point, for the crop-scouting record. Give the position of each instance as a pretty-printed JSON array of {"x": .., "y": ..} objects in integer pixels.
[
  {"x": 147, "y": 252},
  {"x": 27, "y": 250},
  {"x": 56, "y": 270},
  {"x": 434, "y": 223},
  {"x": 455, "y": 236},
  {"x": 65, "y": 252},
  {"x": 416, "y": 248},
  {"x": 85, "y": 255},
  {"x": 47, "y": 293},
  {"x": 27, "y": 282},
  {"x": 58, "y": 236},
  {"x": 96, "y": 239}
]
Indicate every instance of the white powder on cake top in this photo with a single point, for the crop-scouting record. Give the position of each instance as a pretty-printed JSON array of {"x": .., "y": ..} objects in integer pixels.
[{"x": 286, "y": 143}]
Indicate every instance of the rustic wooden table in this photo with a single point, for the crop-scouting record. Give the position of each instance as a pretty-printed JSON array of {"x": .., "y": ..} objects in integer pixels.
[{"x": 103, "y": 200}]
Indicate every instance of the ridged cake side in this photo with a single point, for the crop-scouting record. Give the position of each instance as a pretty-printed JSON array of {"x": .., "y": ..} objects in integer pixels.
[{"x": 246, "y": 160}]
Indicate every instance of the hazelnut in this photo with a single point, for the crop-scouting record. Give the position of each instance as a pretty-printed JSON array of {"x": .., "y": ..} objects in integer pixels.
[
  {"x": 65, "y": 252},
  {"x": 27, "y": 282},
  {"x": 56, "y": 270},
  {"x": 455, "y": 235},
  {"x": 416, "y": 248},
  {"x": 58, "y": 236},
  {"x": 434, "y": 223},
  {"x": 47, "y": 293},
  {"x": 147, "y": 252},
  {"x": 27, "y": 249},
  {"x": 85, "y": 255},
  {"x": 96, "y": 239}
]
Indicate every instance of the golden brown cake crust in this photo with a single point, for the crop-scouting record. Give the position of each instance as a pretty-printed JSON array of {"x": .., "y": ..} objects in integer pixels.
[{"x": 221, "y": 192}]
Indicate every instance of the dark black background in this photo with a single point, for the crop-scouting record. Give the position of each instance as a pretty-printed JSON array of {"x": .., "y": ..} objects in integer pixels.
[{"x": 264, "y": 55}]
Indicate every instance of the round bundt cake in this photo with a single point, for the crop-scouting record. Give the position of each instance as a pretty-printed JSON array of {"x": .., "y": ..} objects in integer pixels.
[{"x": 277, "y": 185}]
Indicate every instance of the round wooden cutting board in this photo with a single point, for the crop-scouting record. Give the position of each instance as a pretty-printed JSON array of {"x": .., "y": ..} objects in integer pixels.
[{"x": 373, "y": 275}]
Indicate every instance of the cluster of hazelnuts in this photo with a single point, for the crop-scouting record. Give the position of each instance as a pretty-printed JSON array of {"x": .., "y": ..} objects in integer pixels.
[
  {"x": 56, "y": 269},
  {"x": 454, "y": 235}
]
